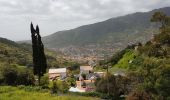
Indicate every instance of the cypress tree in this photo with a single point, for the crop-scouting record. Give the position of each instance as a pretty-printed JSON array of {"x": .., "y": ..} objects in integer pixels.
[{"x": 39, "y": 58}]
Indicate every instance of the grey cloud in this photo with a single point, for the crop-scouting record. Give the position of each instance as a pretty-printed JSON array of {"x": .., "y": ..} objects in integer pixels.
[{"x": 56, "y": 15}]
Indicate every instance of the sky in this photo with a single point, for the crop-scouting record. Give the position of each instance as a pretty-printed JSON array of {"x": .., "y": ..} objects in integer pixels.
[{"x": 58, "y": 15}]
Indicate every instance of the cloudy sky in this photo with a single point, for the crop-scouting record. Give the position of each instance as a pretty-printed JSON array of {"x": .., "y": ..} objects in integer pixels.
[{"x": 57, "y": 15}]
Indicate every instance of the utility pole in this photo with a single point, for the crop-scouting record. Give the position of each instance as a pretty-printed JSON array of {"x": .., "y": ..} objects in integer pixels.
[{"x": 108, "y": 92}]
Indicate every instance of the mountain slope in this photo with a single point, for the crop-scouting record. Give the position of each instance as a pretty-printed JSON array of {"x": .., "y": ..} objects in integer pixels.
[
  {"x": 13, "y": 53},
  {"x": 21, "y": 54},
  {"x": 124, "y": 29}
]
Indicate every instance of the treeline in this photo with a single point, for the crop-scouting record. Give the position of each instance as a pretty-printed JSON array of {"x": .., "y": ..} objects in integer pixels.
[
  {"x": 153, "y": 74},
  {"x": 16, "y": 75},
  {"x": 148, "y": 72}
]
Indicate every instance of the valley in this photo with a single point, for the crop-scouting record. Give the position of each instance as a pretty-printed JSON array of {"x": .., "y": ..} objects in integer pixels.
[{"x": 122, "y": 58}]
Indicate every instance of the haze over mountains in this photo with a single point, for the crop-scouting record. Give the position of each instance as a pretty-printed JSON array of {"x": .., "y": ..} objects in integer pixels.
[{"x": 114, "y": 33}]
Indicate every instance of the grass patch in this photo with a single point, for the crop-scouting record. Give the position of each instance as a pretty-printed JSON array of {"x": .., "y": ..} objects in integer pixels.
[
  {"x": 17, "y": 93},
  {"x": 126, "y": 59}
]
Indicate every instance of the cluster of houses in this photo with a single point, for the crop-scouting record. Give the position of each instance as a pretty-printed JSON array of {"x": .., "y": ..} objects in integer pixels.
[{"x": 85, "y": 79}]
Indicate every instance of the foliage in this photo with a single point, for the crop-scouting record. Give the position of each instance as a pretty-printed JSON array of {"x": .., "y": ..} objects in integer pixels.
[
  {"x": 147, "y": 66},
  {"x": 54, "y": 87},
  {"x": 59, "y": 86},
  {"x": 71, "y": 81},
  {"x": 39, "y": 58},
  {"x": 9, "y": 74},
  {"x": 62, "y": 86},
  {"x": 25, "y": 77},
  {"x": 112, "y": 85},
  {"x": 152, "y": 75},
  {"x": 44, "y": 81},
  {"x": 117, "y": 56},
  {"x": 126, "y": 60},
  {"x": 16, "y": 75},
  {"x": 18, "y": 93},
  {"x": 139, "y": 95},
  {"x": 83, "y": 75},
  {"x": 153, "y": 50}
]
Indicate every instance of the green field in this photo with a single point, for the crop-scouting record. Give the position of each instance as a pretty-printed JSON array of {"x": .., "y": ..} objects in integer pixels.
[{"x": 17, "y": 93}]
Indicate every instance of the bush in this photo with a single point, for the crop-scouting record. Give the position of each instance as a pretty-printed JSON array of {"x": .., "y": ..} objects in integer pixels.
[
  {"x": 9, "y": 74},
  {"x": 54, "y": 87},
  {"x": 71, "y": 81},
  {"x": 44, "y": 81},
  {"x": 62, "y": 86},
  {"x": 58, "y": 86},
  {"x": 15, "y": 75},
  {"x": 25, "y": 77},
  {"x": 139, "y": 95}
]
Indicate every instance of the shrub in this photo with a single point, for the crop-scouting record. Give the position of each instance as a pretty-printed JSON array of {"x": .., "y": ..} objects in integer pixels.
[
  {"x": 10, "y": 75},
  {"x": 15, "y": 75},
  {"x": 44, "y": 81},
  {"x": 71, "y": 81},
  {"x": 139, "y": 95},
  {"x": 25, "y": 77},
  {"x": 54, "y": 87}
]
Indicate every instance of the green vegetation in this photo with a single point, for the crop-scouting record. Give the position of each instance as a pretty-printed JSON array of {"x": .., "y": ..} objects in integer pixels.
[
  {"x": 15, "y": 75},
  {"x": 154, "y": 72},
  {"x": 112, "y": 85},
  {"x": 146, "y": 76},
  {"x": 58, "y": 86},
  {"x": 127, "y": 58},
  {"x": 147, "y": 66},
  {"x": 21, "y": 55},
  {"x": 28, "y": 93},
  {"x": 39, "y": 58}
]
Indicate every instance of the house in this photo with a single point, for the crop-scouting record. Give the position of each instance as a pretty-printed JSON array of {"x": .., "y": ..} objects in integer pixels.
[
  {"x": 57, "y": 73},
  {"x": 85, "y": 85},
  {"x": 86, "y": 69}
]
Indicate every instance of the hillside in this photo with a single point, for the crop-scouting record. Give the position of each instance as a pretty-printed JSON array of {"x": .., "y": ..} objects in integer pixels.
[
  {"x": 146, "y": 65},
  {"x": 11, "y": 52},
  {"x": 114, "y": 33},
  {"x": 21, "y": 54}
]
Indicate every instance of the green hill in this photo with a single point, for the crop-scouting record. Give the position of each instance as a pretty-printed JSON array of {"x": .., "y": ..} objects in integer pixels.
[
  {"x": 21, "y": 54},
  {"x": 117, "y": 32},
  {"x": 148, "y": 65},
  {"x": 11, "y": 52}
]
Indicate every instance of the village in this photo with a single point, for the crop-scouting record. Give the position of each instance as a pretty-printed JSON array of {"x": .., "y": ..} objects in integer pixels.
[{"x": 85, "y": 79}]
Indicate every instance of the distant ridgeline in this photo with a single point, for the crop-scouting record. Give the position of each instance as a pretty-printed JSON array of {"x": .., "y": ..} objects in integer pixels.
[{"x": 106, "y": 36}]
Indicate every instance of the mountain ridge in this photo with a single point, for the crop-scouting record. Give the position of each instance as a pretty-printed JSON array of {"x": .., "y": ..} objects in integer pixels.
[
  {"x": 106, "y": 37},
  {"x": 94, "y": 32}
]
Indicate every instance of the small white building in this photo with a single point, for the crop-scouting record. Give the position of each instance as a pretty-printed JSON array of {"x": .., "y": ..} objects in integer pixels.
[
  {"x": 86, "y": 69},
  {"x": 55, "y": 73}
]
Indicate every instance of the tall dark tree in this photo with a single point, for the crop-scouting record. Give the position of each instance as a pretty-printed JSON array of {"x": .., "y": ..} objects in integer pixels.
[{"x": 39, "y": 58}]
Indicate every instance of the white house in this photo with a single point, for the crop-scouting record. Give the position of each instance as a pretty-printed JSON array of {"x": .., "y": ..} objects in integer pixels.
[
  {"x": 57, "y": 73},
  {"x": 86, "y": 69}
]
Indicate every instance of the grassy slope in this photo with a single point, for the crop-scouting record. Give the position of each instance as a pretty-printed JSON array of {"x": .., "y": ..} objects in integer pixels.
[
  {"x": 14, "y": 53},
  {"x": 14, "y": 93},
  {"x": 21, "y": 54},
  {"x": 126, "y": 59},
  {"x": 124, "y": 62},
  {"x": 122, "y": 65}
]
